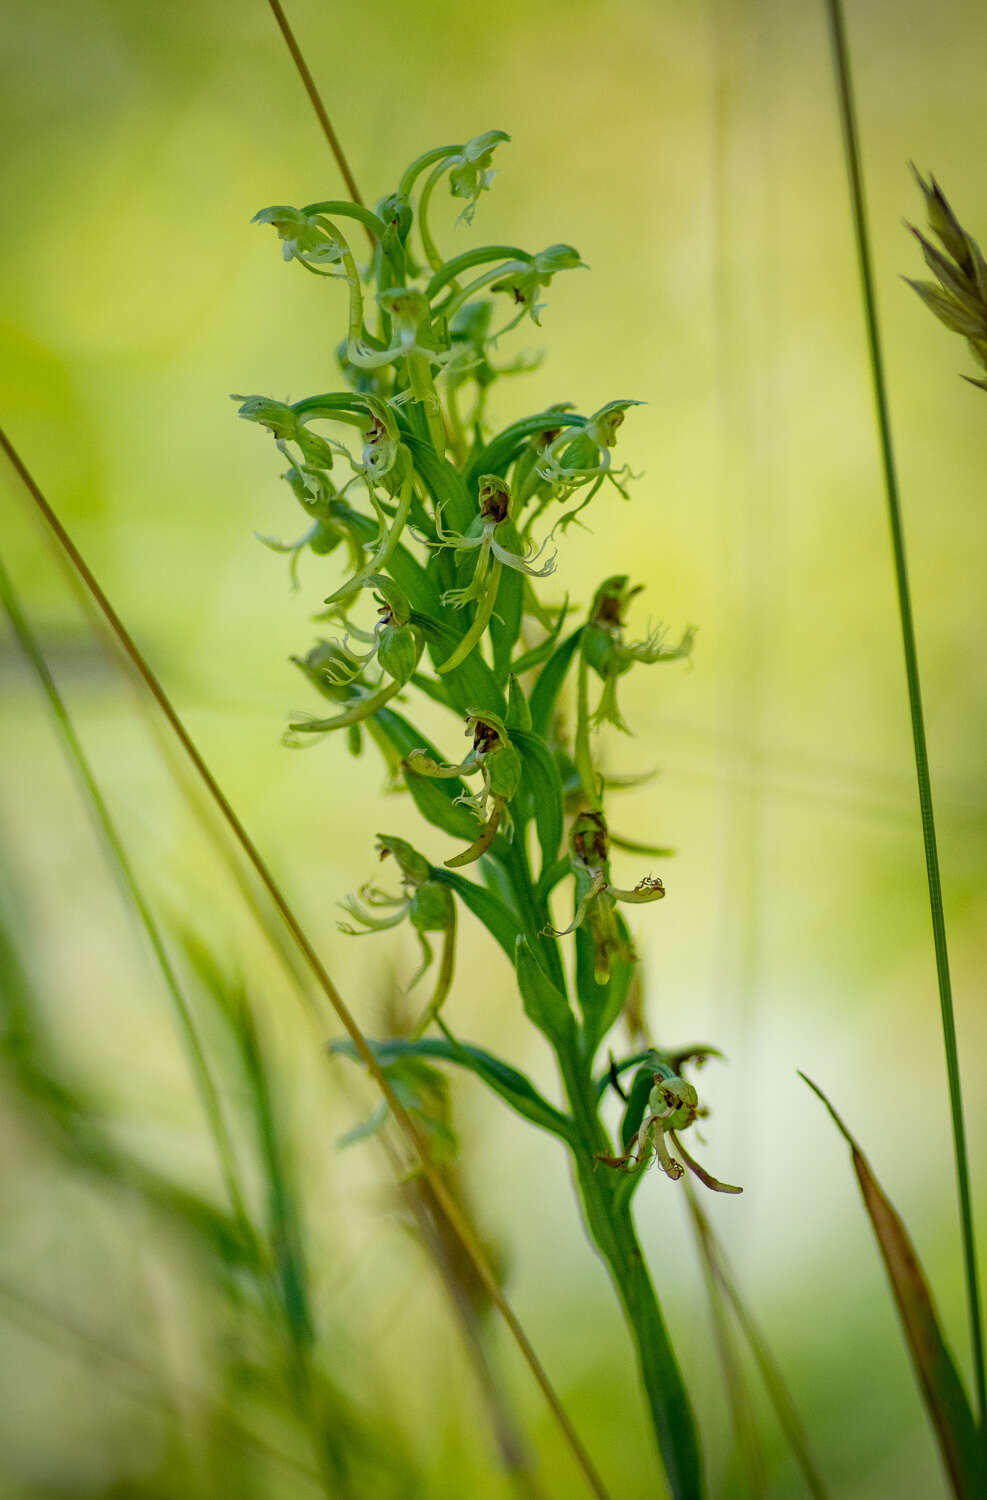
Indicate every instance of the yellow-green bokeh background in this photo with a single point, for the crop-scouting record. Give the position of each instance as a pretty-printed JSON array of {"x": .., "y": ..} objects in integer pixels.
[{"x": 692, "y": 154}]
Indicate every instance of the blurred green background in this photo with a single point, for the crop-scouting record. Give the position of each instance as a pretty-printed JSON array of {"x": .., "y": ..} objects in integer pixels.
[{"x": 692, "y": 154}]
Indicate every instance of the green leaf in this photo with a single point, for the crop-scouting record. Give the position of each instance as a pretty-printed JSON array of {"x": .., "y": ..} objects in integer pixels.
[
  {"x": 549, "y": 878},
  {"x": 518, "y": 712},
  {"x": 542, "y": 652},
  {"x": 542, "y": 781},
  {"x": 471, "y": 684},
  {"x": 637, "y": 1102},
  {"x": 501, "y": 452},
  {"x": 601, "y": 1004},
  {"x": 505, "y": 625},
  {"x": 544, "y": 1005},
  {"x": 550, "y": 679},
  {"x": 488, "y": 908},
  {"x": 371, "y": 1126},
  {"x": 512, "y": 1086},
  {"x": 942, "y": 1390},
  {"x": 445, "y": 484}
]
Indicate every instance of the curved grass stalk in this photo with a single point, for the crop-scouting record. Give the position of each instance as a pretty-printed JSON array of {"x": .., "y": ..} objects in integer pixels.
[{"x": 844, "y": 87}]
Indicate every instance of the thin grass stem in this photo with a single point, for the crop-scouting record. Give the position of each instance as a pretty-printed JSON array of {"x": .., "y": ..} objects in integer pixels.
[
  {"x": 745, "y": 1436},
  {"x": 319, "y": 972},
  {"x": 315, "y": 98},
  {"x": 844, "y": 88},
  {"x": 774, "y": 1383}
]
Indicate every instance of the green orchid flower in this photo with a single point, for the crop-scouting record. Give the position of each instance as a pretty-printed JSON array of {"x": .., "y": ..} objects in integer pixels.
[
  {"x": 428, "y": 905},
  {"x": 499, "y": 763},
  {"x": 597, "y": 896},
  {"x": 604, "y": 649}
]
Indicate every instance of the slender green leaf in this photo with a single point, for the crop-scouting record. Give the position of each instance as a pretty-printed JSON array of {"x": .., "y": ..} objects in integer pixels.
[
  {"x": 491, "y": 911},
  {"x": 435, "y": 799},
  {"x": 545, "y": 693},
  {"x": 512, "y": 1085},
  {"x": 505, "y": 624},
  {"x": 518, "y": 712},
  {"x": 544, "y": 649},
  {"x": 449, "y": 491},
  {"x": 544, "y": 1004},
  {"x": 544, "y": 786},
  {"x": 471, "y": 684},
  {"x": 502, "y": 450}
]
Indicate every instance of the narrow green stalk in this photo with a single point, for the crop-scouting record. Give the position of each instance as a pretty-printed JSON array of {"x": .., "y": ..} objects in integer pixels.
[
  {"x": 584, "y": 756},
  {"x": 848, "y": 122},
  {"x": 611, "y": 1228},
  {"x": 774, "y": 1383},
  {"x": 108, "y": 830}
]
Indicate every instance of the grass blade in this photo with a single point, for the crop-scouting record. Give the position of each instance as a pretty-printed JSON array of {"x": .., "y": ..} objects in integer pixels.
[
  {"x": 942, "y": 1389},
  {"x": 118, "y": 855},
  {"x": 848, "y": 122},
  {"x": 784, "y": 1407},
  {"x": 745, "y": 1436},
  {"x": 319, "y": 972}
]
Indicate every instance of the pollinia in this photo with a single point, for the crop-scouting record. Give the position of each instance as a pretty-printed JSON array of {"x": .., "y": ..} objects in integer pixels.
[{"x": 447, "y": 533}]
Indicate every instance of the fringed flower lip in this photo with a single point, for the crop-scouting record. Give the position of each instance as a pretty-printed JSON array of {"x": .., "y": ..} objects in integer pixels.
[
  {"x": 490, "y": 537},
  {"x": 497, "y": 760},
  {"x": 597, "y": 897},
  {"x": 429, "y": 906},
  {"x": 672, "y": 1106}
]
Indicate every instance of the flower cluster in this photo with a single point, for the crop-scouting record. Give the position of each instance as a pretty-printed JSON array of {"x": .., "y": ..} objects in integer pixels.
[{"x": 447, "y": 526}]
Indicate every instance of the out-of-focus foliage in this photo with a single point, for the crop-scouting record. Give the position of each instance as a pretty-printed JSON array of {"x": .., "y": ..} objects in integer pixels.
[{"x": 695, "y": 161}]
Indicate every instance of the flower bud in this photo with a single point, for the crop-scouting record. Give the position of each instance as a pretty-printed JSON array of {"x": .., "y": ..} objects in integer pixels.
[
  {"x": 589, "y": 840},
  {"x": 301, "y": 235},
  {"x": 433, "y": 908},
  {"x": 495, "y": 498},
  {"x": 603, "y": 424},
  {"x": 399, "y": 651},
  {"x": 473, "y": 172},
  {"x": 414, "y": 867}
]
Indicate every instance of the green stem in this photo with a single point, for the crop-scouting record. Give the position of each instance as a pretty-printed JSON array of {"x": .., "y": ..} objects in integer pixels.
[
  {"x": 362, "y": 709},
  {"x": 611, "y": 1228},
  {"x": 584, "y": 756},
  {"x": 855, "y": 174},
  {"x": 422, "y": 388},
  {"x": 428, "y": 244}
]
